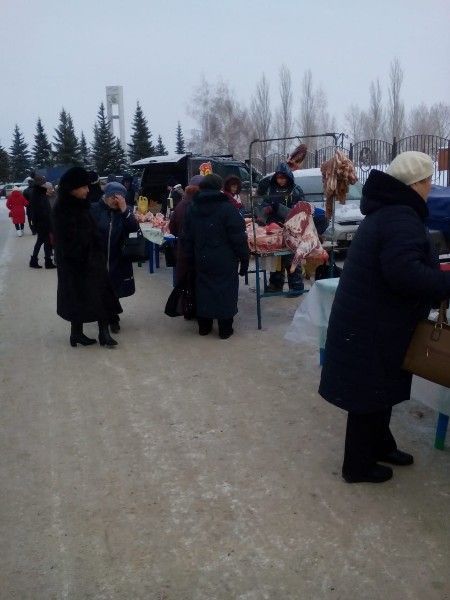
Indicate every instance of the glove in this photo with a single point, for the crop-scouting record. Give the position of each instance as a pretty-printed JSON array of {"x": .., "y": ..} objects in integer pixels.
[
  {"x": 275, "y": 205},
  {"x": 244, "y": 267}
]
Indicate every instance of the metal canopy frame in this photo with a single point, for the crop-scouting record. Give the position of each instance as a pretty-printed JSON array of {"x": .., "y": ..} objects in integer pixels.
[{"x": 338, "y": 139}]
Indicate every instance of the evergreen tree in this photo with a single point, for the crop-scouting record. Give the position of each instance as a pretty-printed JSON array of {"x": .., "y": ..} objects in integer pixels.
[
  {"x": 4, "y": 165},
  {"x": 160, "y": 149},
  {"x": 20, "y": 160},
  {"x": 103, "y": 147},
  {"x": 141, "y": 139},
  {"x": 85, "y": 155},
  {"x": 67, "y": 149},
  {"x": 42, "y": 149},
  {"x": 181, "y": 148},
  {"x": 119, "y": 161}
]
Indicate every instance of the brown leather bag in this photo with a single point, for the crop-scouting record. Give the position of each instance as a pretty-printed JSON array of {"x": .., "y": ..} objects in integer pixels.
[{"x": 428, "y": 354}]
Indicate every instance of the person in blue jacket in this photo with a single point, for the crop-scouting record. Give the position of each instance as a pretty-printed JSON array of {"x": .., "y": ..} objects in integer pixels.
[
  {"x": 115, "y": 221},
  {"x": 390, "y": 280}
]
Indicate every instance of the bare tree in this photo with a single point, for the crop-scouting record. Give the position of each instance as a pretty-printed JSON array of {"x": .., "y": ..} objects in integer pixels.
[
  {"x": 433, "y": 120},
  {"x": 261, "y": 115},
  {"x": 284, "y": 120},
  {"x": 396, "y": 109},
  {"x": 440, "y": 119},
  {"x": 223, "y": 126},
  {"x": 307, "y": 121},
  {"x": 354, "y": 120},
  {"x": 374, "y": 117}
]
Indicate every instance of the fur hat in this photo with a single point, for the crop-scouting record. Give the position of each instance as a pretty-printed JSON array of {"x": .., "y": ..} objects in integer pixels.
[
  {"x": 410, "y": 167},
  {"x": 196, "y": 180},
  {"x": 232, "y": 180},
  {"x": 113, "y": 188},
  {"x": 211, "y": 182},
  {"x": 74, "y": 178},
  {"x": 93, "y": 177},
  {"x": 39, "y": 180}
]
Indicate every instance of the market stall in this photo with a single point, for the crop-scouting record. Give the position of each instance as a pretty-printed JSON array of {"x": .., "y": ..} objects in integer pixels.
[{"x": 297, "y": 237}]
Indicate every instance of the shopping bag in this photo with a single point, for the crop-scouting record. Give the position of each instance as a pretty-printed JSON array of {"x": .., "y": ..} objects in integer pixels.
[
  {"x": 428, "y": 354},
  {"x": 134, "y": 248}
]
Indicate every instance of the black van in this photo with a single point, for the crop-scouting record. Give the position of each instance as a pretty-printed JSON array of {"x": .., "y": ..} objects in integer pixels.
[{"x": 157, "y": 170}]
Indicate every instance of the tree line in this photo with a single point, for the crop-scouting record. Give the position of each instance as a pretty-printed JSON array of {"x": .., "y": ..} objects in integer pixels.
[
  {"x": 224, "y": 125},
  {"x": 105, "y": 154}
]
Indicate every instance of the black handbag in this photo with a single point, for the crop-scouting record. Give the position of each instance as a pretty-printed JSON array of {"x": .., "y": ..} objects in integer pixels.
[
  {"x": 182, "y": 300},
  {"x": 135, "y": 248},
  {"x": 174, "y": 304}
]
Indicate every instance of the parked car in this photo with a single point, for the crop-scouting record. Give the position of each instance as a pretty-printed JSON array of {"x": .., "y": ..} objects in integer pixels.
[
  {"x": 21, "y": 185},
  {"x": 438, "y": 220},
  {"x": 347, "y": 217}
]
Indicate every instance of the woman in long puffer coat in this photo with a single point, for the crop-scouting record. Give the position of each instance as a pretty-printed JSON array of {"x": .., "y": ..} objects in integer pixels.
[
  {"x": 85, "y": 293},
  {"x": 215, "y": 242},
  {"x": 16, "y": 204},
  {"x": 390, "y": 281},
  {"x": 115, "y": 221}
]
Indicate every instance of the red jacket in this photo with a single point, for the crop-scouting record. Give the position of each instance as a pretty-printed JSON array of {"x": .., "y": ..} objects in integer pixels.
[{"x": 16, "y": 204}]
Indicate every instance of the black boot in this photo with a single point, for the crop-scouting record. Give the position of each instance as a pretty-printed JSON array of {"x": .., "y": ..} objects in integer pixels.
[
  {"x": 104, "y": 336},
  {"x": 225, "y": 328},
  {"x": 34, "y": 263},
  {"x": 49, "y": 263},
  {"x": 114, "y": 325},
  {"x": 77, "y": 336}
]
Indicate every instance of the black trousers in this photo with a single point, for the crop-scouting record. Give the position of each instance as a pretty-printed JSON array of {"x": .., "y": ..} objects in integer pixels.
[
  {"x": 43, "y": 238},
  {"x": 225, "y": 325},
  {"x": 368, "y": 439},
  {"x": 295, "y": 279},
  {"x": 19, "y": 226}
]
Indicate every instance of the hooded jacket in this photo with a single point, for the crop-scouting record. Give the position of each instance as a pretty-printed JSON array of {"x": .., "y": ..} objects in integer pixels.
[
  {"x": 277, "y": 201},
  {"x": 215, "y": 242},
  {"x": 390, "y": 280},
  {"x": 16, "y": 204}
]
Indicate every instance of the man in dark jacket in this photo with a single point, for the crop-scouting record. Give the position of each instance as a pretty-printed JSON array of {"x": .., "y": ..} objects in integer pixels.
[
  {"x": 115, "y": 221},
  {"x": 280, "y": 194},
  {"x": 390, "y": 280},
  {"x": 27, "y": 193},
  {"x": 215, "y": 242},
  {"x": 41, "y": 217}
]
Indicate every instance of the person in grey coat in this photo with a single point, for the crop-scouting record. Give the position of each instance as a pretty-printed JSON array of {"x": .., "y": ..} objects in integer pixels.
[{"x": 390, "y": 281}]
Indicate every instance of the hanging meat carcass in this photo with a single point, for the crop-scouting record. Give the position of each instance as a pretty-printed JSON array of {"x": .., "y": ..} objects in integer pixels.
[
  {"x": 338, "y": 173},
  {"x": 301, "y": 237}
]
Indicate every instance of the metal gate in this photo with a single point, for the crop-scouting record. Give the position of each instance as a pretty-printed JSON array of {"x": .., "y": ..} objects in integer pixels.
[
  {"x": 371, "y": 154},
  {"x": 438, "y": 148}
]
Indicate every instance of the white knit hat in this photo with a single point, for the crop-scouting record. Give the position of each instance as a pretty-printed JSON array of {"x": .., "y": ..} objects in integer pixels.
[{"x": 410, "y": 167}]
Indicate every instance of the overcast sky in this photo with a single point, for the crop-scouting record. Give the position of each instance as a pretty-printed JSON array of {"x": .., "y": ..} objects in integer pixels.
[{"x": 58, "y": 53}]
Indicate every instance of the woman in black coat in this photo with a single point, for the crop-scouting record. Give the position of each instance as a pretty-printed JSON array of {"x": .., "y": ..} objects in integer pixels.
[
  {"x": 85, "y": 293},
  {"x": 115, "y": 221},
  {"x": 390, "y": 281},
  {"x": 215, "y": 242}
]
